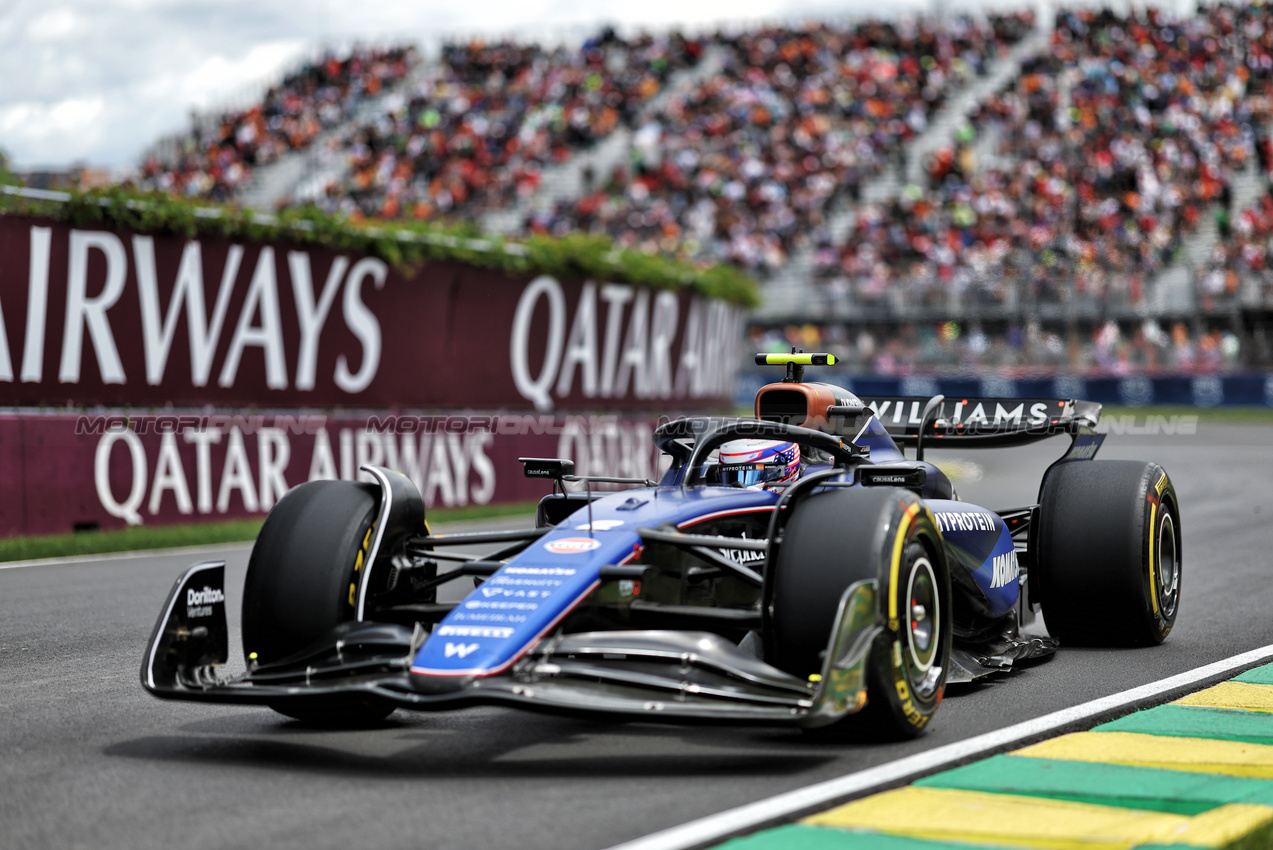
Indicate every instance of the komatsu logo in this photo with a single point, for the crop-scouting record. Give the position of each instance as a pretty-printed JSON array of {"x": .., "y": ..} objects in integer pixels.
[
  {"x": 1005, "y": 569},
  {"x": 540, "y": 571}
]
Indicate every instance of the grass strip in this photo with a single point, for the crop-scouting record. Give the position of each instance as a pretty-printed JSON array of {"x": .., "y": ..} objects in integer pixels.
[
  {"x": 198, "y": 534},
  {"x": 1224, "y": 414}
]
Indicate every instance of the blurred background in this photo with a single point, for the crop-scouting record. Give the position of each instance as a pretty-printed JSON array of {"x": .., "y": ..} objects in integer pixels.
[{"x": 949, "y": 190}]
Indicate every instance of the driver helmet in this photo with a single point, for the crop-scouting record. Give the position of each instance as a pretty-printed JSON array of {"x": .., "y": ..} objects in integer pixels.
[{"x": 752, "y": 463}]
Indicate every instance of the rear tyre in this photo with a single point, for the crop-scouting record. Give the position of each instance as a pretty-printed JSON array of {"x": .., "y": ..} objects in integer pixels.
[
  {"x": 302, "y": 582},
  {"x": 839, "y": 537},
  {"x": 1109, "y": 564}
]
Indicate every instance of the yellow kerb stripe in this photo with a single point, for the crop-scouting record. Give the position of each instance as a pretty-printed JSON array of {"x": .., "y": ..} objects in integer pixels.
[
  {"x": 977, "y": 817},
  {"x": 1196, "y": 755},
  {"x": 1239, "y": 695},
  {"x": 1222, "y": 826},
  {"x": 897, "y": 560}
]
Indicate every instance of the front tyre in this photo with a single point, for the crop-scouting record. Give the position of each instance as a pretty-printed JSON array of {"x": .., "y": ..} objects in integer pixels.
[
  {"x": 1109, "y": 556},
  {"x": 839, "y": 537},
  {"x": 302, "y": 582}
]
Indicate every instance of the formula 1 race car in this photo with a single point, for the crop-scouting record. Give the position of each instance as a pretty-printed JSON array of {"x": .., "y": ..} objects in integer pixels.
[{"x": 795, "y": 568}]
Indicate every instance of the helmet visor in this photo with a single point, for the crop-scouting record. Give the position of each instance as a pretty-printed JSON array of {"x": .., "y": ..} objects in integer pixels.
[{"x": 751, "y": 474}]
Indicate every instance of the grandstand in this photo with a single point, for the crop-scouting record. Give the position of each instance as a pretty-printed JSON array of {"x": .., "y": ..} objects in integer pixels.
[{"x": 1084, "y": 193}]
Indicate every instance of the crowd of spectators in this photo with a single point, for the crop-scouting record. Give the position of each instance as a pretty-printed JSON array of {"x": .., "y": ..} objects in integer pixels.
[
  {"x": 744, "y": 166},
  {"x": 1111, "y": 147},
  {"x": 1018, "y": 350},
  {"x": 480, "y": 126},
  {"x": 1240, "y": 269},
  {"x": 216, "y": 158}
]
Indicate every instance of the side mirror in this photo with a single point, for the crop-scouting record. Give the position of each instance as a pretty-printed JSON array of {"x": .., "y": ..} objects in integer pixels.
[{"x": 555, "y": 469}]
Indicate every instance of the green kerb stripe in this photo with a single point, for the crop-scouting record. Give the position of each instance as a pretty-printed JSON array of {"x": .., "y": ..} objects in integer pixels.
[
  {"x": 1255, "y": 727},
  {"x": 1258, "y": 676},
  {"x": 1124, "y": 786},
  {"x": 801, "y": 837}
]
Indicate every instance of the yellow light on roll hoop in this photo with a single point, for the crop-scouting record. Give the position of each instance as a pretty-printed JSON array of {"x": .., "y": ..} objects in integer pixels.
[{"x": 799, "y": 359}]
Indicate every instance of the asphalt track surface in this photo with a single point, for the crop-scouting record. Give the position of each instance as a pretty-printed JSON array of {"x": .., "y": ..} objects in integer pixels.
[{"x": 88, "y": 759}]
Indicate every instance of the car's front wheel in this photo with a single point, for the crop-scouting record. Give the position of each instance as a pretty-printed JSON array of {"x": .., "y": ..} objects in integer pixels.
[
  {"x": 840, "y": 537},
  {"x": 302, "y": 582}
]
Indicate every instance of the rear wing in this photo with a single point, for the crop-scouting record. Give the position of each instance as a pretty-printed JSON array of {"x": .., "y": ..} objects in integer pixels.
[{"x": 982, "y": 422}]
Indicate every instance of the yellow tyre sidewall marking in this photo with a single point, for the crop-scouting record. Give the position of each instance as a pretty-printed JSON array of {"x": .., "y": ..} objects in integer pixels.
[
  {"x": 358, "y": 565},
  {"x": 904, "y": 694},
  {"x": 1153, "y": 574},
  {"x": 899, "y": 542}
]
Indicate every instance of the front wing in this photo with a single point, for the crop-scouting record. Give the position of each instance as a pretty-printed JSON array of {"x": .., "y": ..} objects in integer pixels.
[{"x": 655, "y": 675}]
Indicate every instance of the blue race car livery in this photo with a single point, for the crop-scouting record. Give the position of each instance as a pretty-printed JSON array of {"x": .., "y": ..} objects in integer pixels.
[{"x": 792, "y": 568}]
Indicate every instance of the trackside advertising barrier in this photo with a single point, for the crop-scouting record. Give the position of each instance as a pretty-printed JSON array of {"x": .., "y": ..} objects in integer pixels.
[
  {"x": 67, "y": 471},
  {"x": 299, "y": 362},
  {"x": 1195, "y": 390},
  {"x": 103, "y": 317}
]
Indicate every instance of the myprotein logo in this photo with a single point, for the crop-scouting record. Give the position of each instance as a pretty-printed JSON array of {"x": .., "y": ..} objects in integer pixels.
[
  {"x": 620, "y": 341},
  {"x": 197, "y": 315}
]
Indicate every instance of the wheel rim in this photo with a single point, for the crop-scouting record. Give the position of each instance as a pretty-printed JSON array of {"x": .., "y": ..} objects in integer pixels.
[
  {"x": 1168, "y": 566},
  {"x": 923, "y": 626}
]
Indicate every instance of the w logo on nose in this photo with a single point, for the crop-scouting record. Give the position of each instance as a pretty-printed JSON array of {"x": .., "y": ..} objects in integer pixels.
[{"x": 460, "y": 649}]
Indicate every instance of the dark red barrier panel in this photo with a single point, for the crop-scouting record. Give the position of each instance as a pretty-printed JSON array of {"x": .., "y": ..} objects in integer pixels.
[
  {"x": 65, "y": 471},
  {"x": 101, "y": 317}
]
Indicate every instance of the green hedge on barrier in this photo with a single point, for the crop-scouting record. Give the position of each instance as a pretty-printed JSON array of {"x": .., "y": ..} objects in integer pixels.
[{"x": 401, "y": 243}]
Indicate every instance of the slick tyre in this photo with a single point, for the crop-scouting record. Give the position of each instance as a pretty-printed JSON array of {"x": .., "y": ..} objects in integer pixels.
[
  {"x": 1109, "y": 557},
  {"x": 839, "y": 537},
  {"x": 302, "y": 582}
]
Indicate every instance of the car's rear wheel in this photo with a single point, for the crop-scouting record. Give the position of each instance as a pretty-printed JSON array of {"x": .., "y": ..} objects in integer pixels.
[
  {"x": 840, "y": 537},
  {"x": 302, "y": 582},
  {"x": 1109, "y": 557}
]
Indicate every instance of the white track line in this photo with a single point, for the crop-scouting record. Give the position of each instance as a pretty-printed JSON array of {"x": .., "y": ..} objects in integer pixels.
[
  {"x": 123, "y": 556},
  {"x": 716, "y": 828}
]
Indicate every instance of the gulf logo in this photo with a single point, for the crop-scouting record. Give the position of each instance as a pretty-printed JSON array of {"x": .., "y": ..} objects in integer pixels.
[{"x": 572, "y": 545}]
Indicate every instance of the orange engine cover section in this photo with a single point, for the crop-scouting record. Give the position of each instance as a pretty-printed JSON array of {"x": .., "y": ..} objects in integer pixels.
[{"x": 803, "y": 404}]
